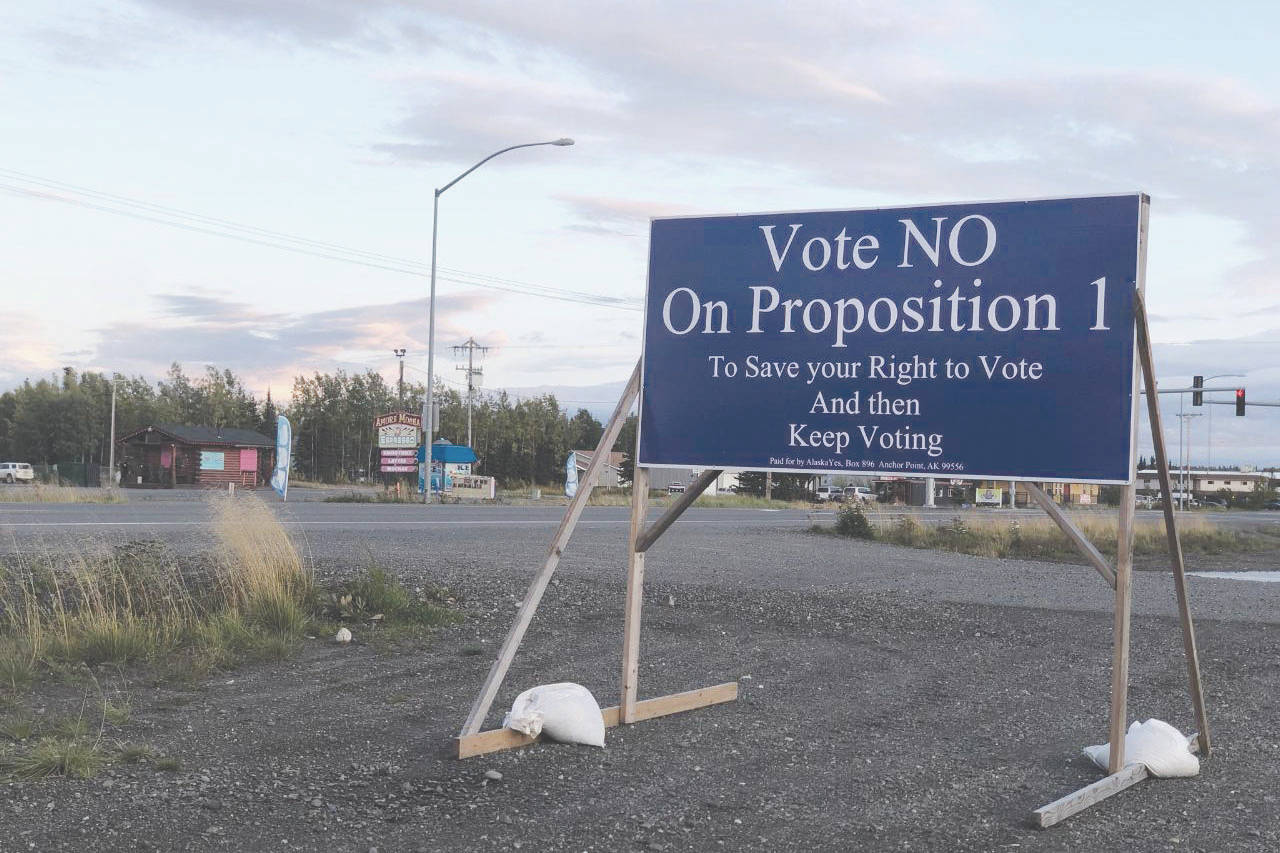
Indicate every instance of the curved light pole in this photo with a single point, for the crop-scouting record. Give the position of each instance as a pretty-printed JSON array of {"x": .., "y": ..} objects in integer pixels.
[{"x": 427, "y": 406}]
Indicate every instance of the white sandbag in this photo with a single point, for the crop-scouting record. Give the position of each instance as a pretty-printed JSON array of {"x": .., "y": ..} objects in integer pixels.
[
  {"x": 1163, "y": 749},
  {"x": 566, "y": 712}
]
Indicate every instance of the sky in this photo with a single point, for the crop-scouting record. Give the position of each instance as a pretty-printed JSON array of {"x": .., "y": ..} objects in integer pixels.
[{"x": 249, "y": 183}]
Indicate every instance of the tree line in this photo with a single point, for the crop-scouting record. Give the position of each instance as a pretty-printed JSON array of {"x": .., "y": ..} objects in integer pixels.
[{"x": 67, "y": 419}]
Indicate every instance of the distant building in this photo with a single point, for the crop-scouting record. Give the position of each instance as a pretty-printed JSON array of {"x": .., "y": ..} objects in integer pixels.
[
  {"x": 608, "y": 476},
  {"x": 168, "y": 455},
  {"x": 1206, "y": 483},
  {"x": 660, "y": 479},
  {"x": 951, "y": 492}
]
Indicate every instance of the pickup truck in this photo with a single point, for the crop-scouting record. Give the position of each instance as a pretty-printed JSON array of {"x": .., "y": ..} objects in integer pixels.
[{"x": 16, "y": 472}]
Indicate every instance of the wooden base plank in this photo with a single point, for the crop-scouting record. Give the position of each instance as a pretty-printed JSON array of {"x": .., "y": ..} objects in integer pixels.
[
  {"x": 496, "y": 740},
  {"x": 1090, "y": 795},
  {"x": 1077, "y": 801}
]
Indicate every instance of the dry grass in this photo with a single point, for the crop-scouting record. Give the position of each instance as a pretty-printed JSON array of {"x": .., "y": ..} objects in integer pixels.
[
  {"x": 991, "y": 535},
  {"x": 134, "y": 603},
  {"x": 261, "y": 576},
  {"x": 44, "y": 494}
]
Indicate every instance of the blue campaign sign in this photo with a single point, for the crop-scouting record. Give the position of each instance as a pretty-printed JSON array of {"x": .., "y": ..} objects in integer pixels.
[{"x": 974, "y": 340}]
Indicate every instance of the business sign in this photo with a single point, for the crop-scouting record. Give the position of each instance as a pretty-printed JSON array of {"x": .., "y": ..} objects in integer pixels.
[
  {"x": 472, "y": 487},
  {"x": 398, "y": 429},
  {"x": 989, "y": 496},
  {"x": 398, "y": 460},
  {"x": 987, "y": 340}
]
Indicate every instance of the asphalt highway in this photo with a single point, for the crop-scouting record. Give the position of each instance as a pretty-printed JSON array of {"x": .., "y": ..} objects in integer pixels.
[{"x": 742, "y": 548}]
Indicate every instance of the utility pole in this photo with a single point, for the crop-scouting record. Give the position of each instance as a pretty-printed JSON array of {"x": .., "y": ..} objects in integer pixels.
[
  {"x": 472, "y": 372},
  {"x": 400, "y": 351},
  {"x": 111, "y": 451}
]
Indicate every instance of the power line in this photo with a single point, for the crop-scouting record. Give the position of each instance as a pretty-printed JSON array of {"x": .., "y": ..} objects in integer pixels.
[{"x": 173, "y": 217}]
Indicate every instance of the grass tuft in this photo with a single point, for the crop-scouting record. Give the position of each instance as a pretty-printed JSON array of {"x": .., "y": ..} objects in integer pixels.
[
  {"x": 74, "y": 757},
  {"x": 17, "y": 663}
]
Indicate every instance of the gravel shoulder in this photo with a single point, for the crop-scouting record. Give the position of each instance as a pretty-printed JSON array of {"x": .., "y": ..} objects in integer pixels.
[{"x": 890, "y": 699}]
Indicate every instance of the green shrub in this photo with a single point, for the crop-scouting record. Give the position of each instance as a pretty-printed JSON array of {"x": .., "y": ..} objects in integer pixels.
[{"x": 852, "y": 521}]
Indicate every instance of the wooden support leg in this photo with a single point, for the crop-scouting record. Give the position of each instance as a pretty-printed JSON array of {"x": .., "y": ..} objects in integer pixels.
[
  {"x": 1120, "y": 635},
  {"x": 480, "y": 708},
  {"x": 1171, "y": 529},
  {"x": 635, "y": 591}
]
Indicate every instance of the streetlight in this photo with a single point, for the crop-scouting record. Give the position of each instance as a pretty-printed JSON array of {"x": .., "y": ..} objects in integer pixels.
[
  {"x": 1186, "y": 481},
  {"x": 427, "y": 410},
  {"x": 1209, "y": 439},
  {"x": 399, "y": 353}
]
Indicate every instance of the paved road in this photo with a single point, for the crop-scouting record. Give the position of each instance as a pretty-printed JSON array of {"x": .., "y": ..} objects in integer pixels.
[
  {"x": 155, "y": 513},
  {"x": 742, "y": 548}
]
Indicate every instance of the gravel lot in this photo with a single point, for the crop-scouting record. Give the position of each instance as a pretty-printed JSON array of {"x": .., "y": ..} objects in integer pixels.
[{"x": 890, "y": 700}]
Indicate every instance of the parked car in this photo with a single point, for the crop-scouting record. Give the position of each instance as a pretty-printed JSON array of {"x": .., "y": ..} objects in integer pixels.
[
  {"x": 675, "y": 488},
  {"x": 1147, "y": 501},
  {"x": 859, "y": 493},
  {"x": 16, "y": 472},
  {"x": 1272, "y": 505},
  {"x": 827, "y": 493},
  {"x": 1215, "y": 502}
]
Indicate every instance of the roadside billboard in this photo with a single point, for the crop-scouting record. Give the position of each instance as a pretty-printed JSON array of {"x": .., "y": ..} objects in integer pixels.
[{"x": 985, "y": 340}]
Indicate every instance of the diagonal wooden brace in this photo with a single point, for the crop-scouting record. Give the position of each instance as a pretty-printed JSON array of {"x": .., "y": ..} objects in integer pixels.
[
  {"x": 1082, "y": 543},
  {"x": 646, "y": 539}
]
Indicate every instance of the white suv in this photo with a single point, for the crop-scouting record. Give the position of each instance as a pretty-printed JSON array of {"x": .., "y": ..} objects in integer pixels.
[
  {"x": 16, "y": 472},
  {"x": 859, "y": 493}
]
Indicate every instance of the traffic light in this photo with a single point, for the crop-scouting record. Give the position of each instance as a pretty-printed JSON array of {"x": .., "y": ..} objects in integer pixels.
[
  {"x": 1197, "y": 397},
  {"x": 1239, "y": 402}
]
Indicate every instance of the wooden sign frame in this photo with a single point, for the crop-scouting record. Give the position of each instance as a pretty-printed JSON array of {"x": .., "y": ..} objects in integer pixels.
[{"x": 472, "y": 741}]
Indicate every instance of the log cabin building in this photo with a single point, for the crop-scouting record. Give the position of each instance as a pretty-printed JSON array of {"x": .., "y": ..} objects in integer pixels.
[{"x": 167, "y": 456}]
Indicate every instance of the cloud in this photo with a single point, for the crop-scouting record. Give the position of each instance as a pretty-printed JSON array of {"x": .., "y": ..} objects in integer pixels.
[
  {"x": 618, "y": 216},
  {"x": 200, "y": 329}
]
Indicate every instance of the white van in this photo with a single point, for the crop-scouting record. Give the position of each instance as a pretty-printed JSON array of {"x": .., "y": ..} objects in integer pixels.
[{"x": 16, "y": 472}]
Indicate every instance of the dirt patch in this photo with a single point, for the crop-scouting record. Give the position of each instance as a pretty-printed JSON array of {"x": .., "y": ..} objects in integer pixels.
[{"x": 866, "y": 721}]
